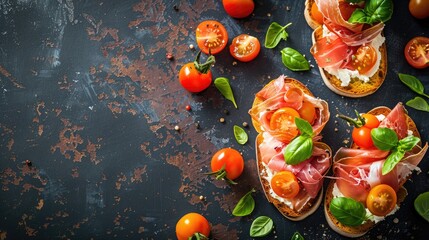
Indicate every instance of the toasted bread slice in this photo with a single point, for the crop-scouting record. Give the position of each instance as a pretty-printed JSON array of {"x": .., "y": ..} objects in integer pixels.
[
  {"x": 357, "y": 231},
  {"x": 291, "y": 214},
  {"x": 292, "y": 81},
  {"x": 307, "y": 14},
  {"x": 356, "y": 88}
]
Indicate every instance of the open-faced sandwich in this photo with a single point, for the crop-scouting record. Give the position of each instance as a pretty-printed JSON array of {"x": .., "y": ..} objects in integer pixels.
[
  {"x": 367, "y": 185},
  {"x": 291, "y": 161},
  {"x": 348, "y": 43}
]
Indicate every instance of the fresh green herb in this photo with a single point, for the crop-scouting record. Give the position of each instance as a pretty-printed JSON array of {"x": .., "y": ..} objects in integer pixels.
[
  {"x": 421, "y": 204},
  {"x": 198, "y": 236},
  {"x": 297, "y": 236},
  {"x": 375, "y": 11},
  {"x": 418, "y": 103},
  {"x": 275, "y": 34},
  {"x": 222, "y": 84},
  {"x": 301, "y": 147},
  {"x": 245, "y": 205},
  {"x": 386, "y": 139},
  {"x": 294, "y": 60},
  {"x": 240, "y": 135},
  {"x": 261, "y": 226},
  {"x": 413, "y": 83},
  {"x": 348, "y": 211}
]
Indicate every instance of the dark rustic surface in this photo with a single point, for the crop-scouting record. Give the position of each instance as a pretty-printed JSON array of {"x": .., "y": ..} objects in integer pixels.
[{"x": 89, "y": 98}]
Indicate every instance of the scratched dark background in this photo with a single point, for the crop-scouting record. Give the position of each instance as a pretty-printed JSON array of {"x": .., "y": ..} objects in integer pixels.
[{"x": 88, "y": 96}]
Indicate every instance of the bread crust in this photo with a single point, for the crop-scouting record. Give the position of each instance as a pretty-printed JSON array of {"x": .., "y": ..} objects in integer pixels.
[
  {"x": 357, "y": 231},
  {"x": 356, "y": 88},
  {"x": 307, "y": 14},
  {"x": 285, "y": 210}
]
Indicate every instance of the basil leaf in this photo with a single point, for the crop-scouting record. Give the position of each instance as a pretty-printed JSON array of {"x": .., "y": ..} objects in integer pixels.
[
  {"x": 261, "y": 226},
  {"x": 384, "y": 138},
  {"x": 297, "y": 236},
  {"x": 421, "y": 204},
  {"x": 222, "y": 84},
  {"x": 240, "y": 135},
  {"x": 245, "y": 205},
  {"x": 413, "y": 83},
  {"x": 348, "y": 211},
  {"x": 418, "y": 103},
  {"x": 391, "y": 161},
  {"x": 294, "y": 60},
  {"x": 275, "y": 34},
  {"x": 298, "y": 150},
  {"x": 375, "y": 11},
  {"x": 408, "y": 143},
  {"x": 304, "y": 127}
]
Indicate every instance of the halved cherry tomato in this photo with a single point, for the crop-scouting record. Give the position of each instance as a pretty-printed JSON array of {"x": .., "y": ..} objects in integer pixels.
[
  {"x": 228, "y": 164},
  {"x": 238, "y": 8},
  {"x": 196, "y": 77},
  {"x": 381, "y": 200},
  {"x": 192, "y": 224},
  {"x": 364, "y": 59},
  {"x": 316, "y": 14},
  {"x": 283, "y": 119},
  {"x": 417, "y": 52},
  {"x": 307, "y": 112},
  {"x": 419, "y": 8},
  {"x": 245, "y": 48},
  {"x": 211, "y": 36},
  {"x": 285, "y": 184}
]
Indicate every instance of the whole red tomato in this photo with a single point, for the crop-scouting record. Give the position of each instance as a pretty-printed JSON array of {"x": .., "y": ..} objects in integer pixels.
[
  {"x": 417, "y": 52},
  {"x": 238, "y": 8},
  {"x": 419, "y": 8},
  {"x": 228, "y": 164},
  {"x": 192, "y": 224},
  {"x": 196, "y": 77}
]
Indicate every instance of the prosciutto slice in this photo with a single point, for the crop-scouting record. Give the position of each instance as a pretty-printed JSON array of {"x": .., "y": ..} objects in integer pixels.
[
  {"x": 280, "y": 94},
  {"x": 358, "y": 170}
]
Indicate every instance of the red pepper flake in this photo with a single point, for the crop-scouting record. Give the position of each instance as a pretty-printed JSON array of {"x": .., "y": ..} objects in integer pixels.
[
  {"x": 169, "y": 56},
  {"x": 188, "y": 108}
]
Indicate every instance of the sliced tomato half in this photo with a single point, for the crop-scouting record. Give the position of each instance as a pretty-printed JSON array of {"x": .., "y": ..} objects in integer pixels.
[
  {"x": 417, "y": 52},
  {"x": 211, "y": 36},
  {"x": 245, "y": 48}
]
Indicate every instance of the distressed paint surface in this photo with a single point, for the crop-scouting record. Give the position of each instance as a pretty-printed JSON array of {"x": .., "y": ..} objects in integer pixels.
[{"x": 89, "y": 104}]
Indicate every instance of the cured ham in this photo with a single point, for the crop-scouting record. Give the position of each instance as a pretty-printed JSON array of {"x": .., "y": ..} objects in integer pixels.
[
  {"x": 279, "y": 95},
  {"x": 356, "y": 171}
]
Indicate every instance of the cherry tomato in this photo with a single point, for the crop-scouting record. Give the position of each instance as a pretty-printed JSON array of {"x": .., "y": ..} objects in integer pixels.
[
  {"x": 196, "y": 77},
  {"x": 316, "y": 14},
  {"x": 419, "y": 8},
  {"x": 228, "y": 164},
  {"x": 245, "y": 48},
  {"x": 362, "y": 137},
  {"x": 285, "y": 184},
  {"x": 238, "y": 8},
  {"x": 364, "y": 59},
  {"x": 307, "y": 112},
  {"x": 417, "y": 52},
  {"x": 284, "y": 120},
  {"x": 346, "y": 9},
  {"x": 192, "y": 224},
  {"x": 211, "y": 36},
  {"x": 381, "y": 200},
  {"x": 371, "y": 121}
]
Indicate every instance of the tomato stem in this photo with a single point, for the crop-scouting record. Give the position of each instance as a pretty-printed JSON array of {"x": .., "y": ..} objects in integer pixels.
[
  {"x": 198, "y": 236},
  {"x": 221, "y": 175},
  {"x": 204, "y": 67},
  {"x": 356, "y": 122}
]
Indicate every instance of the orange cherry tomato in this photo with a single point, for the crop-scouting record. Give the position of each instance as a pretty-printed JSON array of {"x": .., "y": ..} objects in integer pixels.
[
  {"x": 381, "y": 200},
  {"x": 316, "y": 14},
  {"x": 307, "y": 112},
  {"x": 211, "y": 36},
  {"x": 371, "y": 121},
  {"x": 238, "y": 8},
  {"x": 284, "y": 120},
  {"x": 285, "y": 184},
  {"x": 245, "y": 48},
  {"x": 417, "y": 52},
  {"x": 192, "y": 224},
  {"x": 364, "y": 58},
  {"x": 227, "y": 162}
]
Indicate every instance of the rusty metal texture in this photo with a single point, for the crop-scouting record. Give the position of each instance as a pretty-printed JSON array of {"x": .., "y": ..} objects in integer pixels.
[{"x": 89, "y": 104}]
